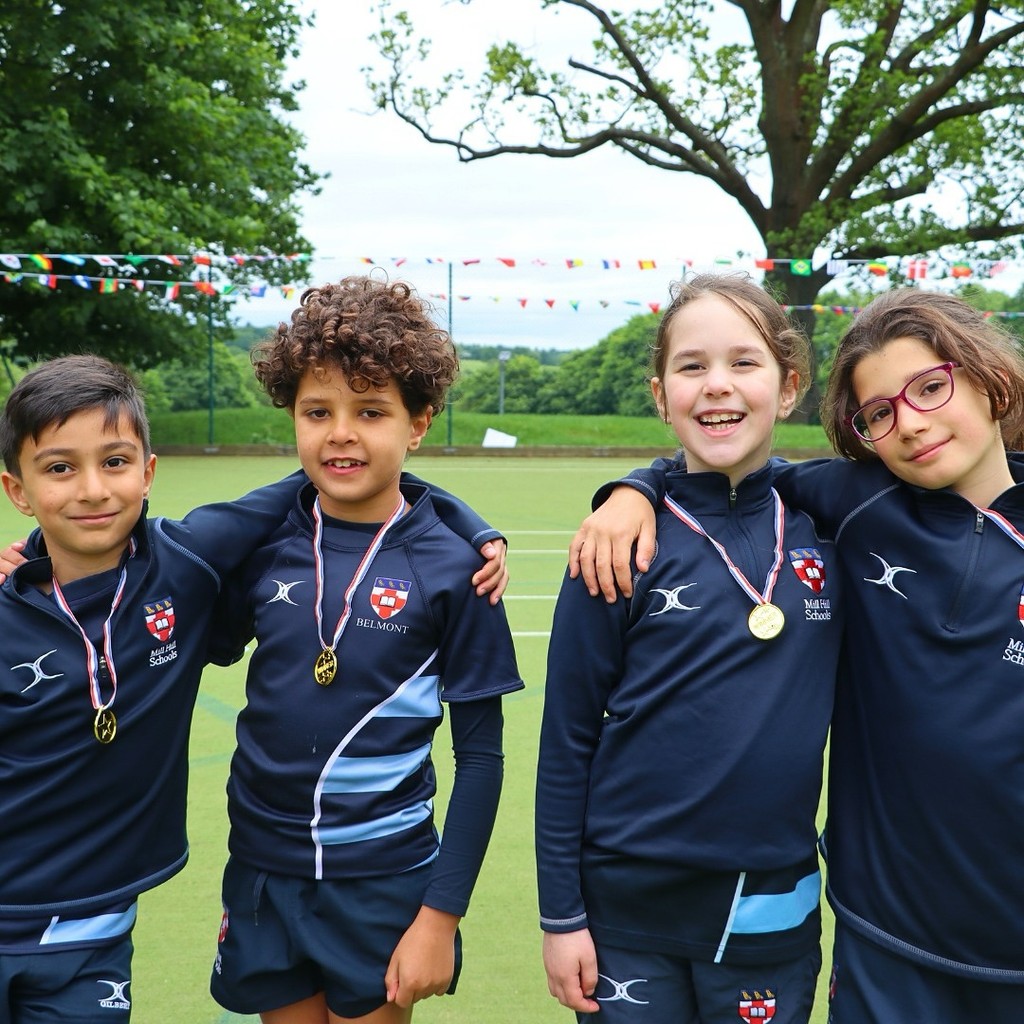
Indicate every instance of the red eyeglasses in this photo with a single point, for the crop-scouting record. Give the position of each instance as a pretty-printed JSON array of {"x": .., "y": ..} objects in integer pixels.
[{"x": 928, "y": 391}]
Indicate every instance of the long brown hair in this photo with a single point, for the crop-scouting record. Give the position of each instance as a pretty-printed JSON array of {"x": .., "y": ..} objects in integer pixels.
[{"x": 956, "y": 331}]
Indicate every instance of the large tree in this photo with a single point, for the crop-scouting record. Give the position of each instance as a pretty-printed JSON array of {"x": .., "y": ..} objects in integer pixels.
[
  {"x": 847, "y": 128},
  {"x": 143, "y": 127}
]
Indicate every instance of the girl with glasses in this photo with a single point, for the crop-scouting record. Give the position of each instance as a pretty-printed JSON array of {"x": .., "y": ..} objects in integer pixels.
[
  {"x": 684, "y": 729},
  {"x": 925, "y": 833}
]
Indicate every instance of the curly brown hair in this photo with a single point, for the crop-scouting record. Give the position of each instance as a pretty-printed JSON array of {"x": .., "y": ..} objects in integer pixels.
[{"x": 373, "y": 331}]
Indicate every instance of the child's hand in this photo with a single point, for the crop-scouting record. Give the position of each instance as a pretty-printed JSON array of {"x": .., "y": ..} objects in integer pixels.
[
  {"x": 571, "y": 964},
  {"x": 10, "y": 558},
  {"x": 423, "y": 962},
  {"x": 493, "y": 577},
  {"x": 603, "y": 545}
]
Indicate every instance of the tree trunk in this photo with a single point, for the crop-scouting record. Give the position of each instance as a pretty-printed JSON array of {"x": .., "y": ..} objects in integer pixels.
[{"x": 798, "y": 291}]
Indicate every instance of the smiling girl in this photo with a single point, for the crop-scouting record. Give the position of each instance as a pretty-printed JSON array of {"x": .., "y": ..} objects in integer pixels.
[
  {"x": 683, "y": 731},
  {"x": 925, "y": 833}
]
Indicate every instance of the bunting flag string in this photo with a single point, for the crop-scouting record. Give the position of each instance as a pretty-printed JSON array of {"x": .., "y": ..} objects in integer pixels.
[
  {"x": 203, "y": 272},
  {"x": 172, "y": 290},
  {"x": 915, "y": 268}
]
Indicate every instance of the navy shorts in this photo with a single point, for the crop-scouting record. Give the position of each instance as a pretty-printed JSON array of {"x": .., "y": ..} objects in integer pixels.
[
  {"x": 78, "y": 986},
  {"x": 657, "y": 988},
  {"x": 285, "y": 939},
  {"x": 870, "y": 985}
]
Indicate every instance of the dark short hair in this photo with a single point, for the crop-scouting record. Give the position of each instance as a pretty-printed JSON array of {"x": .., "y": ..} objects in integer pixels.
[
  {"x": 52, "y": 393},
  {"x": 373, "y": 331}
]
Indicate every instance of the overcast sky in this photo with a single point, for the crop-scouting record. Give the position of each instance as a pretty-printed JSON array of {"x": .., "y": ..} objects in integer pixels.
[{"x": 392, "y": 196}]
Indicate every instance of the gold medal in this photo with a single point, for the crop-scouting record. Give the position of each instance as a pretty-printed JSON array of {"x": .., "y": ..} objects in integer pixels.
[
  {"x": 104, "y": 725},
  {"x": 325, "y": 667},
  {"x": 766, "y": 620},
  {"x": 327, "y": 663}
]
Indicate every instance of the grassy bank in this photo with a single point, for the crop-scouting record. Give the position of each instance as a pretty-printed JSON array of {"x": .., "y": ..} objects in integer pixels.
[{"x": 272, "y": 426}]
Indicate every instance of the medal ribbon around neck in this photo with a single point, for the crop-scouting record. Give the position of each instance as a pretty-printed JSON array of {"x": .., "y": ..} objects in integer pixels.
[
  {"x": 104, "y": 725},
  {"x": 1004, "y": 524},
  {"x": 766, "y": 620},
  {"x": 327, "y": 661}
]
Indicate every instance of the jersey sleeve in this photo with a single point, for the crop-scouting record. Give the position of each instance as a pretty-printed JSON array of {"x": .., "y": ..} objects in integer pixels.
[
  {"x": 585, "y": 659},
  {"x": 476, "y": 729},
  {"x": 827, "y": 489},
  {"x": 649, "y": 482},
  {"x": 477, "y": 655},
  {"x": 233, "y": 623},
  {"x": 224, "y": 534},
  {"x": 457, "y": 515}
]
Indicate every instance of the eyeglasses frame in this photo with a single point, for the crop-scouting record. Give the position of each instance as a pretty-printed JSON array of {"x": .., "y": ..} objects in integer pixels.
[{"x": 948, "y": 366}]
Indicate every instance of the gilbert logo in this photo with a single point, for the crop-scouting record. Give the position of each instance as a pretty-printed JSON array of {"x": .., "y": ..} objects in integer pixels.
[
  {"x": 117, "y": 999},
  {"x": 621, "y": 991}
]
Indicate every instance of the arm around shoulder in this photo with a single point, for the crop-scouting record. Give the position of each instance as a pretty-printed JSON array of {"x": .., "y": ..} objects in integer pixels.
[
  {"x": 225, "y": 533},
  {"x": 602, "y": 550},
  {"x": 492, "y": 579}
]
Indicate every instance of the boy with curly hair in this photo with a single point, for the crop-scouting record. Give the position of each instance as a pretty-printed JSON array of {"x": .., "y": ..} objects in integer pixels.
[
  {"x": 104, "y": 625},
  {"x": 339, "y": 899}
]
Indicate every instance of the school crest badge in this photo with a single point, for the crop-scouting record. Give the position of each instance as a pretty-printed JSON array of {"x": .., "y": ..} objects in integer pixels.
[
  {"x": 160, "y": 618},
  {"x": 756, "y": 1007},
  {"x": 1020, "y": 607},
  {"x": 809, "y": 567},
  {"x": 389, "y": 596}
]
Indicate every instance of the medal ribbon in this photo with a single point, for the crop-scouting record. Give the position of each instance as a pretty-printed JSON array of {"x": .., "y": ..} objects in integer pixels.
[
  {"x": 361, "y": 569},
  {"x": 92, "y": 659},
  {"x": 1004, "y": 524},
  {"x": 765, "y": 596}
]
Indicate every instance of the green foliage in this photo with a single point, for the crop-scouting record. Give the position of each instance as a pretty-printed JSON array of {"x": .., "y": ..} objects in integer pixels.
[
  {"x": 245, "y": 336},
  {"x": 489, "y": 353},
  {"x": 857, "y": 129},
  {"x": 481, "y": 391},
  {"x": 143, "y": 128},
  {"x": 184, "y": 384},
  {"x": 266, "y": 426},
  {"x": 610, "y": 378}
]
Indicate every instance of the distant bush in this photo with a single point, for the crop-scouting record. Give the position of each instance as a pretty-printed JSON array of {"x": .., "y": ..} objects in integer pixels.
[{"x": 265, "y": 425}]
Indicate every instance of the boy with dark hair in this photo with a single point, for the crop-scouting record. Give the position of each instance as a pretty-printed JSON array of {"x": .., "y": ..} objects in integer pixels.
[
  {"x": 103, "y": 636},
  {"x": 339, "y": 899}
]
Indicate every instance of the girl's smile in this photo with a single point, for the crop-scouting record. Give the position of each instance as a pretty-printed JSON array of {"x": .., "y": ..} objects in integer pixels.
[
  {"x": 958, "y": 445},
  {"x": 722, "y": 389}
]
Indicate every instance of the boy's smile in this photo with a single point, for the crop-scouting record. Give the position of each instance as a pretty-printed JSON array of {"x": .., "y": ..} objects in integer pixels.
[
  {"x": 352, "y": 444},
  {"x": 84, "y": 483}
]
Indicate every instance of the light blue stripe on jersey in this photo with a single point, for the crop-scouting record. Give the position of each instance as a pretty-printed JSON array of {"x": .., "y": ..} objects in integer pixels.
[
  {"x": 373, "y": 774},
  {"x": 89, "y": 929},
  {"x": 377, "y": 829},
  {"x": 418, "y": 700},
  {"x": 776, "y": 912}
]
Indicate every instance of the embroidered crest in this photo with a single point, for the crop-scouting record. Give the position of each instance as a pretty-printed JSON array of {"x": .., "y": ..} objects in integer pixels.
[
  {"x": 389, "y": 596},
  {"x": 160, "y": 619},
  {"x": 756, "y": 1007},
  {"x": 1020, "y": 607},
  {"x": 809, "y": 567}
]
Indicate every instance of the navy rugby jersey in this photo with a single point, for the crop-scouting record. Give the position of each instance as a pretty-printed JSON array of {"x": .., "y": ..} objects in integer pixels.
[
  {"x": 681, "y": 757},
  {"x": 337, "y": 781},
  {"x": 925, "y": 834},
  {"x": 88, "y": 826}
]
